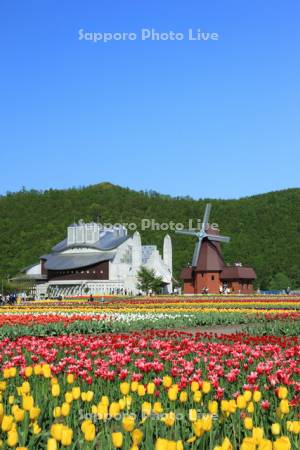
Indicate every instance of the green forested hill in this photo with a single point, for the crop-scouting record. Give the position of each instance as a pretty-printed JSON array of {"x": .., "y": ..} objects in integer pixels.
[{"x": 265, "y": 229}]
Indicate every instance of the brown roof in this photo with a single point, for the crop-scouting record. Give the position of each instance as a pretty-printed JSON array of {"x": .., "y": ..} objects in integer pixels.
[
  {"x": 210, "y": 258},
  {"x": 238, "y": 272},
  {"x": 186, "y": 273}
]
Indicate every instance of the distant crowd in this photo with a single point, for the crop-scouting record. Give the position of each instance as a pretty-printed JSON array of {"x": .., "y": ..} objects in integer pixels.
[{"x": 11, "y": 299}]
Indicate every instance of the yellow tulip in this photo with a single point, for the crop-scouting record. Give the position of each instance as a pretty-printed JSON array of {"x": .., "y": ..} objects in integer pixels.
[
  {"x": 102, "y": 411},
  {"x": 46, "y": 370},
  {"x": 167, "y": 381},
  {"x": 169, "y": 419},
  {"x": 66, "y": 436},
  {"x": 57, "y": 411},
  {"x": 265, "y": 444},
  {"x": 34, "y": 412},
  {"x": 36, "y": 429},
  {"x": 194, "y": 386},
  {"x": 56, "y": 430},
  {"x": 128, "y": 400},
  {"x": 122, "y": 403},
  {"x": 7, "y": 423},
  {"x": 12, "y": 438},
  {"x": 293, "y": 426},
  {"x": 226, "y": 445},
  {"x": 248, "y": 423},
  {"x": 172, "y": 393},
  {"x": 124, "y": 388},
  {"x": 257, "y": 434},
  {"x": 241, "y": 402},
  {"x": 12, "y": 372},
  {"x": 183, "y": 396},
  {"x": 117, "y": 439},
  {"x": 65, "y": 409},
  {"x": 51, "y": 444},
  {"x": 90, "y": 432},
  {"x": 27, "y": 402},
  {"x": 137, "y": 436},
  {"x": 161, "y": 444},
  {"x": 141, "y": 390},
  {"x": 37, "y": 369},
  {"x": 192, "y": 415},
  {"x": 282, "y": 392},
  {"x": 206, "y": 387},
  {"x": 284, "y": 406},
  {"x": 6, "y": 372},
  {"x": 248, "y": 444},
  {"x": 89, "y": 396},
  {"x": 105, "y": 400},
  {"x": 25, "y": 387},
  {"x": 157, "y": 408},
  {"x": 282, "y": 443},
  {"x": 150, "y": 388},
  {"x": 55, "y": 390},
  {"x": 256, "y": 396},
  {"x": 275, "y": 428},
  {"x": 250, "y": 407},
  {"x": 69, "y": 397},
  {"x": 134, "y": 386},
  {"x": 146, "y": 408},
  {"x": 76, "y": 392},
  {"x": 114, "y": 409},
  {"x": 70, "y": 378},
  {"x": 18, "y": 413},
  {"x": 197, "y": 396},
  {"x": 213, "y": 406},
  {"x": 247, "y": 395},
  {"x": 11, "y": 399},
  {"x": 198, "y": 428},
  {"x": 207, "y": 422},
  {"x": 128, "y": 423}
]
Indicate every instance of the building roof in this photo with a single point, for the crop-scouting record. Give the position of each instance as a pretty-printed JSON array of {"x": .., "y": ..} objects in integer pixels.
[
  {"x": 67, "y": 261},
  {"x": 108, "y": 241},
  {"x": 238, "y": 272},
  {"x": 210, "y": 257},
  {"x": 186, "y": 273}
]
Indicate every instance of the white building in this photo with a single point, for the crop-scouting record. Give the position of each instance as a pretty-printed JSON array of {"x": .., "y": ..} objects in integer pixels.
[{"x": 98, "y": 261}]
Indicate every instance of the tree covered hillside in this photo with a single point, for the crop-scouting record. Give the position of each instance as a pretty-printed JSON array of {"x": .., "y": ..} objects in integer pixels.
[{"x": 265, "y": 229}]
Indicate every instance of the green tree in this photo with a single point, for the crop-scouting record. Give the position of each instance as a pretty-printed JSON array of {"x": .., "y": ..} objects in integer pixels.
[
  {"x": 279, "y": 281},
  {"x": 148, "y": 280}
]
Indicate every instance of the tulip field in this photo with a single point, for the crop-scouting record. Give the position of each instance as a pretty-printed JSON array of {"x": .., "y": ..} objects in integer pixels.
[{"x": 151, "y": 373}]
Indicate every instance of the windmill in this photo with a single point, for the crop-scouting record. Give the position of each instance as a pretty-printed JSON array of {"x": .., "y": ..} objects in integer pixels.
[{"x": 202, "y": 234}]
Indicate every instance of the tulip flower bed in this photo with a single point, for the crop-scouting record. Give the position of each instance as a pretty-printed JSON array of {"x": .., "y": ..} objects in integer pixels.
[
  {"x": 156, "y": 389},
  {"x": 112, "y": 374}
]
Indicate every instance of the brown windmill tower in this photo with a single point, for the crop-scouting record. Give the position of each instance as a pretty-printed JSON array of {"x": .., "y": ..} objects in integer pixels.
[{"x": 208, "y": 270}]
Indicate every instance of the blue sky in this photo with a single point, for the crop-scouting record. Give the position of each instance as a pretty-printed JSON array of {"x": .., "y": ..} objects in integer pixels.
[{"x": 206, "y": 119}]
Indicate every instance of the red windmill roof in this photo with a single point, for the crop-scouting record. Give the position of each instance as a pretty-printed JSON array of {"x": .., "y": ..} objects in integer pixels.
[{"x": 210, "y": 257}]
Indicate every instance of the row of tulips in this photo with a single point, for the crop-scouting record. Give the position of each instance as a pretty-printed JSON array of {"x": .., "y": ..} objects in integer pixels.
[{"x": 162, "y": 390}]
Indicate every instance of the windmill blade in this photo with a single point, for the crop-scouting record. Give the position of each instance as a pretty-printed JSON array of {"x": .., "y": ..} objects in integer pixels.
[
  {"x": 206, "y": 217},
  {"x": 196, "y": 253},
  {"x": 187, "y": 232},
  {"x": 217, "y": 238}
]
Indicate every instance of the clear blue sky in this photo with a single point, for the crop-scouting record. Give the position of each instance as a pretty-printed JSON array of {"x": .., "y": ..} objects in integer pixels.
[{"x": 206, "y": 119}]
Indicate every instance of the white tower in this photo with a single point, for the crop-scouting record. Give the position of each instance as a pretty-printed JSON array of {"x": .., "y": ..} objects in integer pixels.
[
  {"x": 167, "y": 252},
  {"x": 136, "y": 251}
]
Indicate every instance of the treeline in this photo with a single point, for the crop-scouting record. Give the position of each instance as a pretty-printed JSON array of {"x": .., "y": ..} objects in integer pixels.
[{"x": 265, "y": 229}]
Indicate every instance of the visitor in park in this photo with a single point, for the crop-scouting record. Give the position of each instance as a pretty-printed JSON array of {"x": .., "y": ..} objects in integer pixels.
[{"x": 91, "y": 299}]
